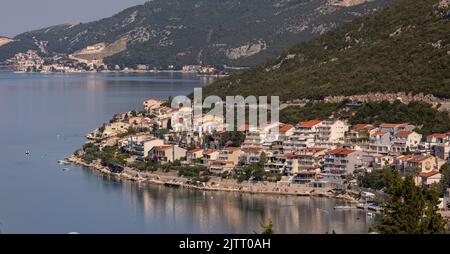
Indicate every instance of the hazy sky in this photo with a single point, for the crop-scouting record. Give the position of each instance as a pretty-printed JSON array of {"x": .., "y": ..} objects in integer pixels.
[{"x": 17, "y": 16}]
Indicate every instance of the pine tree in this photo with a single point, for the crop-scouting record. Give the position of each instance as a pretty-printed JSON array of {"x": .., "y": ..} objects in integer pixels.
[{"x": 410, "y": 210}]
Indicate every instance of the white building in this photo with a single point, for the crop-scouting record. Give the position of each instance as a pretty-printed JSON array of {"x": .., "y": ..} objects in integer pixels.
[{"x": 405, "y": 140}]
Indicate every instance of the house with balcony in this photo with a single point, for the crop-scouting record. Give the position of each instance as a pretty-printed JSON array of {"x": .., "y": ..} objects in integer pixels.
[
  {"x": 303, "y": 136},
  {"x": 209, "y": 156},
  {"x": 250, "y": 155},
  {"x": 428, "y": 178},
  {"x": 380, "y": 142},
  {"x": 227, "y": 160},
  {"x": 286, "y": 131},
  {"x": 358, "y": 137},
  {"x": 404, "y": 141},
  {"x": 330, "y": 133},
  {"x": 167, "y": 154},
  {"x": 286, "y": 164},
  {"x": 142, "y": 148},
  {"x": 339, "y": 163},
  {"x": 194, "y": 155},
  {"x": 310, "y": 158},
  {"x": 422, "y": 164},
  {"x": 393, "y": 128},
  {"x": 439, "y": 145},
  {"x": 261, "y": 136}
]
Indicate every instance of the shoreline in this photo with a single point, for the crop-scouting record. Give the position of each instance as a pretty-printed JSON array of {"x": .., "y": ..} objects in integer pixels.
[{"x": 215, "y": 184}]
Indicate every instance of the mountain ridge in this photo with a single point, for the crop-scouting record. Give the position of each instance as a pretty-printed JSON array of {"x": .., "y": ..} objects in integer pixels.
[{"x": 210, "y": 32}]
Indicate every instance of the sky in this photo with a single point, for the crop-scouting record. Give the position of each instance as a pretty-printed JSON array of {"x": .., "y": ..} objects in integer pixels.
[{"x": 18, "y": 16}]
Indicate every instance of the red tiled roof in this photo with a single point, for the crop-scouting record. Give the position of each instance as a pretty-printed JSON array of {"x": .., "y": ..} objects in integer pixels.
[
  {"x": 391, "y": 125},
  {"x": 404, "y": 157},
  {"x": 285, "y": 127},
  {"x": 342, "y": 152},
  {"x": 437, "y": 135},
  {"x": 380, "y": 133},
  {"x": 310, "y": 123},
  {"x": 289, "y": 155},
  {"x": 195, "y": 150},
  {"x": 360, "y": 127},
  {"x": 403, "y": 133},
  {"x": 429, "y": 174},
  {"x": 232, "y": 149},
  {"x": 419, "y": 159}
]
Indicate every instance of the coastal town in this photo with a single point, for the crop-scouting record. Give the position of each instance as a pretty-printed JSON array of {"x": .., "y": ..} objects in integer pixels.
[
  {"x": 323, "y": 157},
  {"x": 32, "y": 61}
]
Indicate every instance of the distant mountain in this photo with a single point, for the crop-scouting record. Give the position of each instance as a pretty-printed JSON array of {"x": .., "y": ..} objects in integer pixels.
[
  {"x": 402, "y": 48},
  {"x": 211, "y": 32}
]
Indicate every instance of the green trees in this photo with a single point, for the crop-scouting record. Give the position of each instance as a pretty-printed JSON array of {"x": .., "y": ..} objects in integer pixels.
[
  {"x": 411, "y": 210},
  {"x": 445, "y": 180},
  {"x": 420, "y": 114},
  {"x": 232, "y": 138},
  {"x": 379, "y": 179}
]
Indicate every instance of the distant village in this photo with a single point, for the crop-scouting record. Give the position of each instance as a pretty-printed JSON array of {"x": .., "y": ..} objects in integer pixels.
[
  {"x": 326, "y": 153},
  {"x": 31, "y": 61}
]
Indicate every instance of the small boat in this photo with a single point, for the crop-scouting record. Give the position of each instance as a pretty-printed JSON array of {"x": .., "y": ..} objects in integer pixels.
[
  {"x": 63, "y": 162},
  {"x": 66, "y": 169},
  {"x": 27, "y": 152},
  {"x": 344, "y": 207},
  {"x": 362, "y": 206},
  {"x": 375, "y": 208}
]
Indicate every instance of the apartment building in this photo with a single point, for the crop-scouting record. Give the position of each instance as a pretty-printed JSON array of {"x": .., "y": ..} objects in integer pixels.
[
  {"x": 330, "y": 133},
  {"x": 380, "y": 142},
  {"x": 303, "y": 136},
  {"x": 339, "y": 163},
  {"x": 282, "y": 163},
  {"x": 405, "y": 140},
  {"x": 166, "y": 154},
  {"x": 250, "y": 155}
]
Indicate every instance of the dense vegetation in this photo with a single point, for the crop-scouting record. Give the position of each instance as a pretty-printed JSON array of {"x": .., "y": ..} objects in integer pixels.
[
  {"x": 411, "y": 209},
  {"x": 378, "y": 179},
  {"x": 428, "y": 119},
  {"x": 403, "y": 48}
]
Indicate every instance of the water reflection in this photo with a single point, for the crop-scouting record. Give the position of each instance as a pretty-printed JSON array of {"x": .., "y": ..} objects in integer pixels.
[{"x": 172, "y": 210}]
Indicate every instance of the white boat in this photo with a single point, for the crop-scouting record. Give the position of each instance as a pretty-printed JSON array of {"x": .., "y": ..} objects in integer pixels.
[
  {"x": 63, "y": 162},
  {"x": 344, "y": 207}
]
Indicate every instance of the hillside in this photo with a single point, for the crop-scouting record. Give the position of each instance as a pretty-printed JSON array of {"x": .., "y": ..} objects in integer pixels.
[
  {"x": 4, "y": 41},
  {"x": 405, "y": 47},
  {"x": 211, "y": 32}
]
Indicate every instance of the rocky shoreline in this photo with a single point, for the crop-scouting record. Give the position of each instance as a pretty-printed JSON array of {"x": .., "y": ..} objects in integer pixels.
[{"x": 215, "y": 184}]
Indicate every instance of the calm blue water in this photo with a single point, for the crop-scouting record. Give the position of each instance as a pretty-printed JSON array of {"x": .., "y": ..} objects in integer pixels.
[{"x": 50, "y": 114}]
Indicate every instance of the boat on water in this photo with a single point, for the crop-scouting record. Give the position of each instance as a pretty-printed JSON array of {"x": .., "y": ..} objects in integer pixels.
[
  {"x": 63, "y": 162},
  {"x": 304, "y": 194},
  {"x": 344, "y": 207},
  {"x": 362, "y": 206},
  {"x": 375, "y": 208}
]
